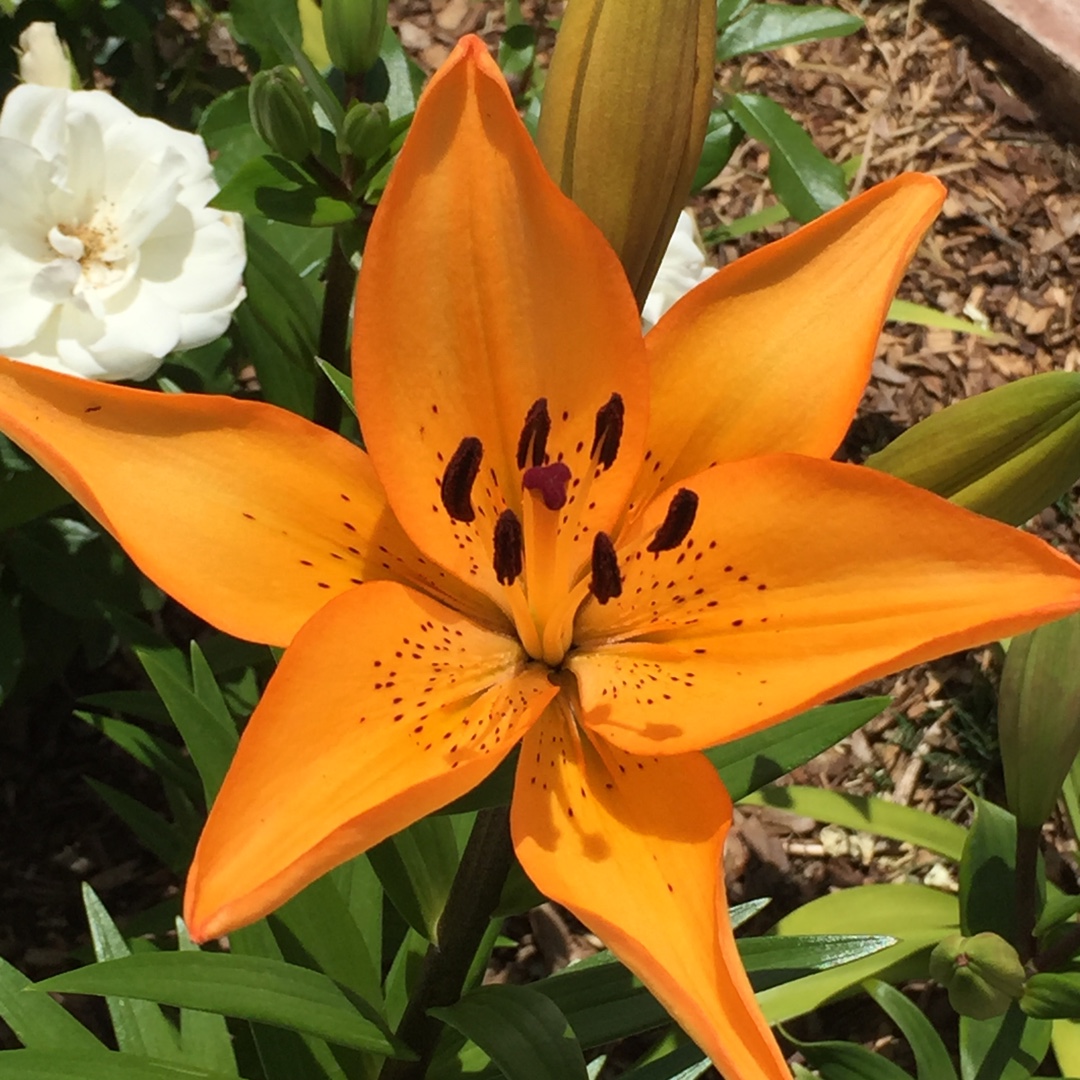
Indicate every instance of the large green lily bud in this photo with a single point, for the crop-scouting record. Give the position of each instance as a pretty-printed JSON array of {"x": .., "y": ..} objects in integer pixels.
[
  {"x": 626, "y": 104},
  {"x": 1039, "y": 717},
  {"x": 982, "y": 974},
  {"x": 354, "y": 31},
  {"x": 1007, "y": 453},
  {"x": 281, "y": 114}
]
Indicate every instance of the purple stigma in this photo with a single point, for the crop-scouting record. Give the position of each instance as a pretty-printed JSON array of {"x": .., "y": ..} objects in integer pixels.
[{"x": 551, "y": 481}]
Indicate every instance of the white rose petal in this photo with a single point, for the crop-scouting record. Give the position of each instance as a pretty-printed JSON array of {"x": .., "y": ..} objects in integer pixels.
[
  {"x": 110, "y": 258},
  {"x": 43, "y": 59},
  {"x": 682, "y": 267}
]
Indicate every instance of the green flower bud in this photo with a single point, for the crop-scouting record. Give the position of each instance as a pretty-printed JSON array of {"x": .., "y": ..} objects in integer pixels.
[
  {"x": 366, "y": 131},
  {"x": 1007, "y": 453},
  {"x": 982, "y": 974},
  {"x": 626, "y": 106},
  {"x": 1039, "y": 718},
  {"x": 1052, "y": 996},
  {"x": 281, "y": 114},
  {"x": 354, "y": 31}
]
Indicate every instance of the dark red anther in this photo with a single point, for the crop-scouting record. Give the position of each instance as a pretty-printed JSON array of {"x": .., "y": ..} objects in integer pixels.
[
  {"x": 608, "y": 433},
  {"x": 509, "y": 548},
  {"x": 459, "y": 477},
  {"x": 606, "y": 581},
  {"x": 680, "y": 517},
  {"x": 534, "y": 434},
  {"x": 551, "y": 481}
]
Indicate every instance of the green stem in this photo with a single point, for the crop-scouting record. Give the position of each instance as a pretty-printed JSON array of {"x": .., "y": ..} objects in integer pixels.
[
  {"x": 1027, "y": 863},
  {"x": 463, "y": 926},
  {"x": 334, "y": 332}
]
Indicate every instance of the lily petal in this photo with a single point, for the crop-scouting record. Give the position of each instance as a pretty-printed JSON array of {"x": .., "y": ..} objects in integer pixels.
[
  {"x": 799, "y": 579},
  {"x": 633, "y": 847},
  {"x": 773, "y": 352},
  {"x": 250, "y": 516},
  {"x": 483, "y": 290},
  {"x": 357, "y": 736}
]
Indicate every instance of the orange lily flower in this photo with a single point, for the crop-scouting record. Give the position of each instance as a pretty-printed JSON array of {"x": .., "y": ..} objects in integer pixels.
[{"x": 614, "y": 550}]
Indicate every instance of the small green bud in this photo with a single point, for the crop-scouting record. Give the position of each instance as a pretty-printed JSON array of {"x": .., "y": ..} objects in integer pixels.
[
  {"x": 366, "y": 131},
  {"x": 281, "y": 114},
  {"x": 354, "y": 32},
  {"x": 982, "y": 974},
  {"x": 1007, "y": 453},
  {"x": 1039, "y": 718},
  {"x": 1052, "y": 996}
]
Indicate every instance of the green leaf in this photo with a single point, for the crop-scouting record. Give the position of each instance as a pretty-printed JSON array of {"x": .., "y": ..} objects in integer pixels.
[
  {"x": 67, "y": 1065},
  {"x": 401, "y": 78},
  {"x": 866, "y": 813},
  {"x": 417, "y": 868},
  {"x": 320, "y": 89},
  {"x": 209, "y": 744},
  {"x": 155, "y": 834},
  {"x": 521, "y": 1030},
  {"x": 275, "y": 188},
  {"x": 225, "y": 127},
  {"x": 932, "y": 1060},
  {"x": 340, "y": 381},
  {"x": 1009, "y": 1047},
  {"x": 846, "y": 1061},
  {"x": 279, "y": 322},
  {"x": 604, "y": 1002},
  {"x": 756, "y": 760},
  {"x": 156, "y": 754},
  {"x": 1065, "y": 1039},
  {"x": 204, "y": 1036},
  {"x": 139, "y": 1026},
  {"x": 264, "y": 25},
  {"x": 742, "y": 913},
  {"x": 916, "y": 915},
  {"x": 283, "y": 1055},
  {"x": 1052, "y": 995},
  {"x": 248, "y": 987},
  {"x": 206, "y": 688},
  {"x": 722, "y": 136},
  {"x": 728, "y": 11},
  {"x": 921, "y": 315},
  {"x": 988, "y": 873},
  {"x": 770, "y": 26},
  {"x": 1059, "y": 908},
  {"x": 771, "y": 961},
  {"x": 686, "y": 1063},
  {"x": 319, "y": 923},
  {"x": 38, "y": 1021},
  {"x": 26, "y": 494},
  {"x": 804, "y": 180},
  {"x": 517, "y": 54}
]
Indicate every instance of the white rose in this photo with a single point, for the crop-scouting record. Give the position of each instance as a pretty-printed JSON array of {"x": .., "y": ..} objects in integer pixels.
[
  {"x": 109, "y": 256},
  {"x": 682, "y": 267},
  {"x": 43, "y": 59}
]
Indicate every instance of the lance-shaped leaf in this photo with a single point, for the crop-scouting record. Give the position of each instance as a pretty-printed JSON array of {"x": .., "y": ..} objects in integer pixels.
[
  {"x": 1039, "y": 717},
  {"x": 1007, "y": 453}
]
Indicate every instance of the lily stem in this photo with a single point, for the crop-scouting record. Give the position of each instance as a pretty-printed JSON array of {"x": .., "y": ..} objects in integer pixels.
[
  {"x": 1027, "y": 864},
  {"x": 462, "y": 928},
  {"x": 334, "y": 332}
]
